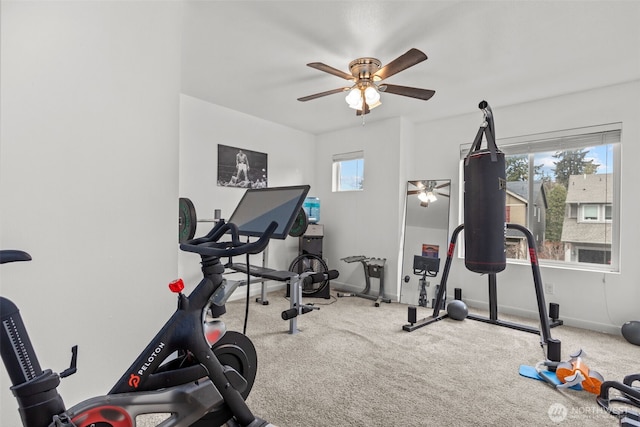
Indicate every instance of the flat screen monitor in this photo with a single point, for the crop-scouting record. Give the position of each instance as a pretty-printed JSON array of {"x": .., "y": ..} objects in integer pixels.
[
  {"x": 424, "y": 263},
  {"x": 258, "y": 207}
]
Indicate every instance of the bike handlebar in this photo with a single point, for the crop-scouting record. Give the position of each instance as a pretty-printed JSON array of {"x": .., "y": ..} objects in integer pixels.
[{"x": 210, "y": 245}]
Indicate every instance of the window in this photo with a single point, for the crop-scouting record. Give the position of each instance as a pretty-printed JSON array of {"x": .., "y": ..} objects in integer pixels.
[
  {"x": 607, "y": 212},
  {"x": 348, "y": 171},
  {"x": 596, "y": 213},
  {"x": 566, "y": 184},
  {"x": 590, "y": 213}
]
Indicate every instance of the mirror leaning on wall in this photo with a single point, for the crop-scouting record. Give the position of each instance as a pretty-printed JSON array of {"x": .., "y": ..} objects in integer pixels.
[{"x": 426, "y": 229}]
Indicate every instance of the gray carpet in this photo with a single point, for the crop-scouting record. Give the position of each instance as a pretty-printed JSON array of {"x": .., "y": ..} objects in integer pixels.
[{"x": 352, "y": 365}]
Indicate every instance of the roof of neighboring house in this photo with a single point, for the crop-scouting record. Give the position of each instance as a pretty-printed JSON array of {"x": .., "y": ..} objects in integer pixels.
[
  {"x": 521, "y": 188},
  {"x": 574, "y": 232},
  {"x": 590, "y": 188}
]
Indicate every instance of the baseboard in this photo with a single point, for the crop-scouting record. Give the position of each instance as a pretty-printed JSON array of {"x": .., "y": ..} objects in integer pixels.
[
  {"x": 533, "y": 315},
  {"x": 345, "y": 287}
]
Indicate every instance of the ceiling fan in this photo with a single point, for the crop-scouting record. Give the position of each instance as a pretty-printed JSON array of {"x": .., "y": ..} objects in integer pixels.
[
  {"x": 427, "y": 191},
  {"x": 367, "y": 75}
]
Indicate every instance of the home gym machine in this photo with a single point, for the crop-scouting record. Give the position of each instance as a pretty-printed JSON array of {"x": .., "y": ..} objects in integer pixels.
[
  {"x": 485, "y": 233},
  {"x": 295, "y": 281},
  {"x": 248, "y": 215},
  {"x": 373, "y": 267}
]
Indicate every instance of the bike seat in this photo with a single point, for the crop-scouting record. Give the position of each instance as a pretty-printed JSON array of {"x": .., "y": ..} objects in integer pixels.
[{"x": 10, "y": 255}]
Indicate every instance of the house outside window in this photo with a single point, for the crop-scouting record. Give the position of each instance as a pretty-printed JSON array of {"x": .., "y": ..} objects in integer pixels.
[
  {"x": 564, "y": 187},
  {"x": 587, "y": 237}
]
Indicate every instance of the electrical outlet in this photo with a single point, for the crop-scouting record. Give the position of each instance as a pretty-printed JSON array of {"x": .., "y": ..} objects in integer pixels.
[{"x": 548, "y": 288}]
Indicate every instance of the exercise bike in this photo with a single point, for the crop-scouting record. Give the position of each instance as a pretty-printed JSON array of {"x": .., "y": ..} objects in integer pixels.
[{"x": 193, "y": 369}]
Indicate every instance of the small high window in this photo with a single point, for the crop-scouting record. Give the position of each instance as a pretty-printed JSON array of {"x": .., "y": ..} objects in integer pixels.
[{"x": 348, "y": 171}]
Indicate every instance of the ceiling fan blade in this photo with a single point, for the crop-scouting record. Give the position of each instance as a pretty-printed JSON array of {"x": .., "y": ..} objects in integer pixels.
[
  {"x": 410, "y": 192},
  {"x": 409, "y": 59},
  {"x": 321, "y": 94},
  {"x": 412, "y": 92},
  {"x": 446, "y": 184},
  {"x": 327, "y": 69}
]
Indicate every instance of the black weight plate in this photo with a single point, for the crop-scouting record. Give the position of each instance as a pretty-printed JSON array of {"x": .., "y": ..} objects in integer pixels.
[
  {"x": 187, "y": 220},
  {"x": 300, "y": 224}
]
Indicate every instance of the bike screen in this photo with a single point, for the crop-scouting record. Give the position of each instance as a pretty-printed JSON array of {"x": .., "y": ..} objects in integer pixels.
[{"x": 259, "y": 207}]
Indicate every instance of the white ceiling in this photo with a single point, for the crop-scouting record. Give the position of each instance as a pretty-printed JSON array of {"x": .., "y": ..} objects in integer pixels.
[{"x": 251, "y": 56}]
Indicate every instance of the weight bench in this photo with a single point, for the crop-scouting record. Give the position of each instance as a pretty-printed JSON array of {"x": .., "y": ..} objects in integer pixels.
[
  {"x": 295, "y": 283},
  {"x": 262, "y": 274}
]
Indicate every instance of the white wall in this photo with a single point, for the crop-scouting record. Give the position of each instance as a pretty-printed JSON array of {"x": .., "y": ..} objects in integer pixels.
[
  {"x": 203, "y": 126},
  {"x": 364, "y": 222},
  {"x": 89, "y": 180},
  {"x": 599, "y": 301}
]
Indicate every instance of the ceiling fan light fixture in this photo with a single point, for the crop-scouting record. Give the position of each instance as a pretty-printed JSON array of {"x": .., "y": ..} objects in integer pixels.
[
  {"x": 372, "y": 106},
  {"x": 371, "y": 96},
  {"x": 427, "y": 197},
  {"x": 365, "y": 75},
  {"x": 354, "y": 98}
]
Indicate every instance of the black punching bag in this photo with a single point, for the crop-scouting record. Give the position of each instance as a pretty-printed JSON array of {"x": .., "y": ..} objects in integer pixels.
[{"x": 485, "y": 202}]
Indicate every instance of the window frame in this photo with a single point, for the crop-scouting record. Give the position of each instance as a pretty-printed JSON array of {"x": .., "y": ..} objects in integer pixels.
[
  {"x": 565, "y": 140},
  {"x": 338, "y": 163},
  {"x": 601, "y": 213}
]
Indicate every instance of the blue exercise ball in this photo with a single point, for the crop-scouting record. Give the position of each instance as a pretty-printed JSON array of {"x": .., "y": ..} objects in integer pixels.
[
  {"x": 631, "y": 332},
  {"x": 457, "y": 310}
]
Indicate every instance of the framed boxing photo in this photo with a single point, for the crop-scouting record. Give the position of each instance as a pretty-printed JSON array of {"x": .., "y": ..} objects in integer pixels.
[{"x": 242, "y": 168}]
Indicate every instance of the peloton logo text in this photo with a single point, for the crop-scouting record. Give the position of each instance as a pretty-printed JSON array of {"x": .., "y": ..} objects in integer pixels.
[{"x": 134, "y": 380}]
